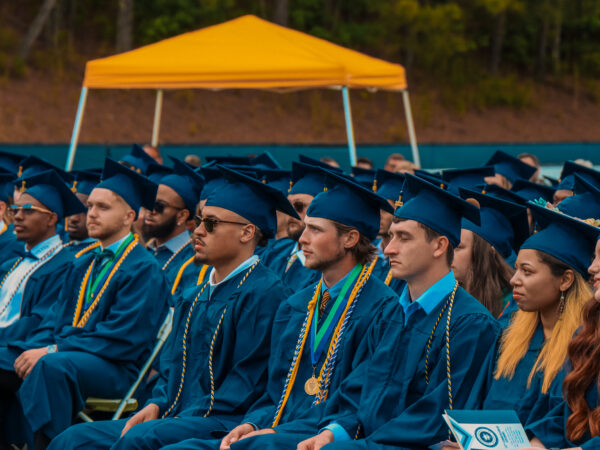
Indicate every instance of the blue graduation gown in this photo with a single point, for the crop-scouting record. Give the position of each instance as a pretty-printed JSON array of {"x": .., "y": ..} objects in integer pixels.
[
  {"x": 297, "y": 277},
  {"x": 506, "y": 315},
  {"x": 76, "y": 247},
  {"x": 171, "y": 268},
  {"x": 112, "y": 342},
  {"x": 39, "y": 295},
  {"x": 388, "y": 396},
  {"x": 10, "y": 248},
  {"x": 548, "y": 421},
  {"x": 239, "y": 364}
]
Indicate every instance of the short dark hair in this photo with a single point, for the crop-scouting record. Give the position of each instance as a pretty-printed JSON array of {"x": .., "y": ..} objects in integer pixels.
[
  {"x": 364, "y": 251},
  {"x": 396, "y": 156},
  {"x": 430, "y": 235},
  {"x": 260, "y": 239},
  {"x": 364, "y": 160}
]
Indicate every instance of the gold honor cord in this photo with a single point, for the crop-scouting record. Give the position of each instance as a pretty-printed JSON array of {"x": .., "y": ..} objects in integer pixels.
[
  {"x": 293, "y": 372},
  {"x": 4, "y": 228},
  {"x": 388, "y": 277},
  {"x": 180, "y": 274},
  {"x": 202, "y": 274},
  {"x": 87, "y": 249},
  {"x": 79, "y": 323},
  {"x": 174, "y": 255}
]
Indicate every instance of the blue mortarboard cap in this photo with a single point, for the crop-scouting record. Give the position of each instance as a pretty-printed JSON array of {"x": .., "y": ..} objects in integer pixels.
[
  {"x": 388, "y": 185},
  {"x": 278, "y": 178},
  {"x": 213, "y": 178},
  {"x": 435, "y": 208},
  {"x": 315, "y": 162},
  {"x": 585, "y": 204},
  {"x": 466, "y": 178},
  {"x": 133, "y": 187},
  {"x": 570, "y": 240},
  {"x": 32, "y": 165},
  {"x": 432, "y": 177},
  {"x": 265, "y": 161},
  {"x": 553, "y": 181},
  {"x": 529, "y": 191},
  {"x": 306, "y": 179},
  {"x": 567, "y": 179},
  {"x": 252, "y": 199},
  {"x": 186, "y": 182},
  {"x": 510, "y": 167},
  {"x": 10, "y": 162},
  {"x": 349, "y": 203},
  {"x": 156, "y": 172},
  {"x": 50, "y": 190},
  {"x": 230, "y": 160},
  {"x": 504, "y": 225},
  {"x": 7, "y": 185},
  {"x": 365, "y": 177},
  {"x": 493, "y": 190},
  {"x": 85, "y": 181},
  {"x": 139, "y": 159}
]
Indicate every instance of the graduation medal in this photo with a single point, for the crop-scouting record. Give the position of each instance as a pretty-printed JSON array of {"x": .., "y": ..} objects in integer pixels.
[{"x": 311, "y": 387}]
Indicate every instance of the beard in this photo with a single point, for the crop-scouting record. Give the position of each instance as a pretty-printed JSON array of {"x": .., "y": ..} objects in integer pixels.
[
  {"x": 324, "y": 264},
  {"x": 161, "y": 231},
  {"x": 295, "y": 231}
]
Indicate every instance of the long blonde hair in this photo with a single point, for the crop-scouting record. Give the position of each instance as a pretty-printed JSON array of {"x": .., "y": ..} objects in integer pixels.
[{"x": 517, "y": 337}]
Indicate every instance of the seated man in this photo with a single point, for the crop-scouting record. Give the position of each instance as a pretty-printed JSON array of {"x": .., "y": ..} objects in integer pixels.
[
  {"x": 215, "y": 362},
  {"x": 79, "y": 240},
  {"x": 30, "y": 284},
  {"x": 428, "y": 360},
  {"x": 11, "y": 248},
  {"x": 103, "y": 324}
]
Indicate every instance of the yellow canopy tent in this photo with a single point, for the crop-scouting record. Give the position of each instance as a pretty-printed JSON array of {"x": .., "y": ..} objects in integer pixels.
[{"x": 244, "y": 53}]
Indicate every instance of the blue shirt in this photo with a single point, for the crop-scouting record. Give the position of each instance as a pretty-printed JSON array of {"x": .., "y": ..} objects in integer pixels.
[
  {"x": 11, "y": 291},
  {"x": 429, "y": 299},
  {"x": 335, "y": 290},
  {"x": 173, "y": 244}
]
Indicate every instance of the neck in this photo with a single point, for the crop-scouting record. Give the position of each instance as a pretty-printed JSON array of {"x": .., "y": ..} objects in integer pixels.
[
  {"x": 32, "y": 243},
  {"x": 549, "y": 317},
  {"x": 418, "y": 285},
  {"x": 281, "y": 234},
  {"x": 338, "y": 270},
  {"x": 176, "y": 232},
  {"x": 222, "y": 269},
  {"x": 114, "y": 238}
]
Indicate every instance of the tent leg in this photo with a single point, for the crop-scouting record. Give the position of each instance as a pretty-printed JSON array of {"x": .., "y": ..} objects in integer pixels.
[
  {"x": 411, "y": 129},
  {"x": 76, "y": 128},
  {"x": 157, "y": 116},
  {"x": 349, "y": 129}
]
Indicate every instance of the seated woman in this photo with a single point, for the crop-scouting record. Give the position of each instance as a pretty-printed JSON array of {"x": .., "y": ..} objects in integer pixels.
[
  {"x": 482, "y": 262},
  {"x": 575, "y": 419}
]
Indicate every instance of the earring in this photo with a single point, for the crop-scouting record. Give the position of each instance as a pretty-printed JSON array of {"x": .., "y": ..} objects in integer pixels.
[
  {"x": 561, "y": 306},
  {"x": 178, "y": 224}
]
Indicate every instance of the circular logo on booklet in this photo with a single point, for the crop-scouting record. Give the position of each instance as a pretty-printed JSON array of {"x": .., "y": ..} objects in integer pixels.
[{"x": 486, "y": 437}]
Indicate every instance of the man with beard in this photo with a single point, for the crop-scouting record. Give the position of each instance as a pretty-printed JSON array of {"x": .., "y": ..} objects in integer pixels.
[
  {"x": 84, "y": 184},
  {"x": 165, "y": 226},
  {"x": 215, "y": 361},
  {"x": 103, "y": 323},
  {"x": 285, "y": 256}
]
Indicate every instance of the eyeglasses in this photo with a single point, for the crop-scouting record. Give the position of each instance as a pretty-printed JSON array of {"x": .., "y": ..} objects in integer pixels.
[
  {"x": 159, "y": 207},
  {"x": 28, "y": 209},
  {"x": 299, "y": 207},
  {"x": 210, "y": 223}
]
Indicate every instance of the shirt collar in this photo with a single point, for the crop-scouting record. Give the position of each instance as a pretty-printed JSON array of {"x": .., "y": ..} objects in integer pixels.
[
  {"x": 115, "y": 245},
  {"x": 172, "y": 244},
  {"x": 335, "y": 290},
  {"x": 43, "y": 247},
  {"x": 243, "y": 266},
  {"x": 299, "y": 253},
  {"x": 432, "y": 297}
]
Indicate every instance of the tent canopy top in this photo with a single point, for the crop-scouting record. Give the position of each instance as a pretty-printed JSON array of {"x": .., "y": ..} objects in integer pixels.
[{"x": 244, "y": 53}]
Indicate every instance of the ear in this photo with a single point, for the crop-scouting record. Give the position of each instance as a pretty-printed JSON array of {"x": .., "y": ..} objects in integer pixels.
[
  {"x": 440, "y": 246},
  {"x": 566, "y": 280},
  {"x": 351, "y": 238},
  {"x": 129, "y": 217},
  {"x": 53, "y": 220},
  {"x": 247, "y": 233},
  {"x": 182, "y": 216}
]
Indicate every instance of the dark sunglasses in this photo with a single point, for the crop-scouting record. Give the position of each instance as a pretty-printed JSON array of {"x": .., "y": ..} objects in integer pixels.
[
  {"x": 28, "y": 209},
  {"x": 299, "y": 207},
  {"x": 210, "y": 223},
  {"x": 159, "y": 207}
]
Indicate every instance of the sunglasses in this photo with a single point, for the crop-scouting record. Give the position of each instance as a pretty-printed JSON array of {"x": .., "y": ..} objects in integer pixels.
[
  {"x": 210, "y": 223},
  {"x": 159, "y": 207},
  {"x": 28, "y": 209},
  {"x": 299, "y": 207}
]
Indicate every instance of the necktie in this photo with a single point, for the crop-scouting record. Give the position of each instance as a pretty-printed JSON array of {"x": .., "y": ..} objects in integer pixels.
[
  {"x": 100, "y": 259},
  {"x": 323, "y": 305},
  {"x": 291, "y": 261}
]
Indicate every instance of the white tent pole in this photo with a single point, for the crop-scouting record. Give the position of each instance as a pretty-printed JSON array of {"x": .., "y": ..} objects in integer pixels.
[
  {"x": 349, "y": 129},
  {"x": 76, "y": 128},
  {"x": 411, "y": 128},
  {"x": 157, "y": 116}
]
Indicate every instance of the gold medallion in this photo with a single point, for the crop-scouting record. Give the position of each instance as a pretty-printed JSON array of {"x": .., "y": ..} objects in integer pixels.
[{"x": 311, "y": 387}]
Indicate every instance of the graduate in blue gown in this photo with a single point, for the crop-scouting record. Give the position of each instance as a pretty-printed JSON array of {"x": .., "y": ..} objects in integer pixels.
[
  {"x": 508, "y": 169},
  {"x": 533, "y": 349},
  {"x": 567, "y": 416},
  {"x": 437, "y": 330},
  {"x": 285, "y": 257},
  {"x": 566, "y": 185},
  {"x": 29, "y": 284},
  {"x": 11, "y": 248},
  {"x": 94, "y": 327},
  {"x": 79, "y": 240},
  {"x": 165, "y": 226},
  {"x": 214, "y": 366}
]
